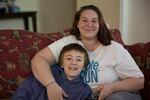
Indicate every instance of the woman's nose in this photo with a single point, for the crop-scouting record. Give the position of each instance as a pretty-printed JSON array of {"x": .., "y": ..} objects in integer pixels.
[{"x": 89, "y": 23}]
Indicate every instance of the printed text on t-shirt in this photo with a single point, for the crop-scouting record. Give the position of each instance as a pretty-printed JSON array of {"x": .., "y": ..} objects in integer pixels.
[{"x": 91, "y": 75}]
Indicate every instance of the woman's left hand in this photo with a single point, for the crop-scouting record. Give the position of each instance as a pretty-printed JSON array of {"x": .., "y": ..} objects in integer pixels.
[{"x": 105, "y": 90}]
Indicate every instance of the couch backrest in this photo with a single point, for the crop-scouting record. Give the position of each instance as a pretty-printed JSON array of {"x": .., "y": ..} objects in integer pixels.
[
  {"x": 116, "y": 34},
  {"x": 17, "y": 47}
]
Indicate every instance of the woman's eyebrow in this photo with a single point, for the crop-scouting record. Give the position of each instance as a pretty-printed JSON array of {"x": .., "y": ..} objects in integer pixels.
[{"x": 88, "y": 18}]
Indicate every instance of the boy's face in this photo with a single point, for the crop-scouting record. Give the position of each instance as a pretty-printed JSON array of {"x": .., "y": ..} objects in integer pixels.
[{"x": 73, "y": 63}]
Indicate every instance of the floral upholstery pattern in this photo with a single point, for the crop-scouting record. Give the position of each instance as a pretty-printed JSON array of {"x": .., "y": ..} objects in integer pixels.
[
  {"x": 117, "y": 36},
  {"x": 17, "y": 47},
  {"x": 141, "y": 54}
]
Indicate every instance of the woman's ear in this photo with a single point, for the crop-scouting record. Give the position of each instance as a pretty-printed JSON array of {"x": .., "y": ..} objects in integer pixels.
[{"x": 78, "y": 25}]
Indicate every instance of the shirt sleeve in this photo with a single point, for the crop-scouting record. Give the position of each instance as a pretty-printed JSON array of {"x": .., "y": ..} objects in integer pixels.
[{"x": 127, "y": 67}]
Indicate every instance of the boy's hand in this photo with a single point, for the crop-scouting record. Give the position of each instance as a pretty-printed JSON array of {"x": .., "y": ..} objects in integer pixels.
[{"x": 55, "y": 92}]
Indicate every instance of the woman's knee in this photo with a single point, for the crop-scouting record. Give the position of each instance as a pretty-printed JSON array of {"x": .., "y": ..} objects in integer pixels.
[{"x": 114, "y": 96}]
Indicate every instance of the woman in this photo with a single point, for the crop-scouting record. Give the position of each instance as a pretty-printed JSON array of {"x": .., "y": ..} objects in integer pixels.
[{"x": 112, "y": 72}]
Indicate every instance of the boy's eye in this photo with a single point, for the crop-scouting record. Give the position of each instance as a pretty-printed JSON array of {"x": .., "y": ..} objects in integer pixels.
[{"x": 79, "y": 59}]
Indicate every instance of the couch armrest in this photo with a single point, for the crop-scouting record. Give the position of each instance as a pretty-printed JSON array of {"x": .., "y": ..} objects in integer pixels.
[{"x": 141, "y": 54}]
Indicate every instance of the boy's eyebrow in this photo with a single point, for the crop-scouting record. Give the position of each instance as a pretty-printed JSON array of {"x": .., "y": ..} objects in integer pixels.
[
  {"x": 79, "y": 56},
  {"x": 68, "y": 55},
  {"x": 71, "y": 56}
]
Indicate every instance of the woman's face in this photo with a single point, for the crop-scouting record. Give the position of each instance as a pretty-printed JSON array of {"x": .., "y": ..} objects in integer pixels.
[
  {"x": 73, "y": 63},
  {"x": 88, "y": 24}
]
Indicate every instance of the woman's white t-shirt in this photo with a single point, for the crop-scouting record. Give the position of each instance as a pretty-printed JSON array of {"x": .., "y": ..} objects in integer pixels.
[{"x": 107, "y": 63}]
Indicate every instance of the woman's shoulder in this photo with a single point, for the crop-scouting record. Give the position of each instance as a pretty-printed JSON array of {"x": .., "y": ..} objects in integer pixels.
[
  {"x": 115, "y": 46},
  {"x": 64, "y": 41},
  {"x": 69, "y": 37}
]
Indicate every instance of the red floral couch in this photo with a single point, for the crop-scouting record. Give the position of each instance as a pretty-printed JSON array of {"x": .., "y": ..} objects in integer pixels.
[{"x": 17, "y": 47}]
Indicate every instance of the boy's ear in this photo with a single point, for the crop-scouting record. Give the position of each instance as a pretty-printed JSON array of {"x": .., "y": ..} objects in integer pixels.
[{"x": 62, "y": 66}]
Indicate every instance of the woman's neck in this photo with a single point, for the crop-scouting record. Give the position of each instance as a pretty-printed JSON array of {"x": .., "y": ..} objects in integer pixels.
[{"x": 91, "y": 45}]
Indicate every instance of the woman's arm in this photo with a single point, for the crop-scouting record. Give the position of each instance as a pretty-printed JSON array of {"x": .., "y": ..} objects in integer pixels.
[
  {"x": 130, "y": 84},
  {"x": 40, "y": 65}
]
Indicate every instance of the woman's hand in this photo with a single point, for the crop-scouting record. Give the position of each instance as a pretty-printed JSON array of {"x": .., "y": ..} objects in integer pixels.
[
  {"x": 130, "y": 84},
  {"x": 105, "y": 90},
  {"x": 55, "y": 92}
]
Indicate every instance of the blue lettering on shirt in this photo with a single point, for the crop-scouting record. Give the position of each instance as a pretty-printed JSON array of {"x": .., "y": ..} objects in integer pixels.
[{"x": 91, "y": 73}]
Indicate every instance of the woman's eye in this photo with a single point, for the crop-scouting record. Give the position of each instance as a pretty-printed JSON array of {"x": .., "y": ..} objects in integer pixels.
[
  {"x": 68, "y": 58},
  {"x": 95, "y": 21},
  {"x": 84, "y": 20}
]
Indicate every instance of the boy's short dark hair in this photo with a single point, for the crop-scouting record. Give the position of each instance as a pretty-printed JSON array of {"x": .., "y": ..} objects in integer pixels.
[{"x": 73, "y": 46}]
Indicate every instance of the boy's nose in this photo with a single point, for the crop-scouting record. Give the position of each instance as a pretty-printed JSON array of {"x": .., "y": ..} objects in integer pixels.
[{"x": 74, "y": 62}]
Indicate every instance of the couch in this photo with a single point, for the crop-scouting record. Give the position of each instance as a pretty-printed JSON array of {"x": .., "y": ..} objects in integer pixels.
[{"x": 17, "y": 47}]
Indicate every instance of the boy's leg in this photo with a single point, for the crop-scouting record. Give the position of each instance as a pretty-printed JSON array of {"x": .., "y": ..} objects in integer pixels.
[{"x": 30, "y": 89}]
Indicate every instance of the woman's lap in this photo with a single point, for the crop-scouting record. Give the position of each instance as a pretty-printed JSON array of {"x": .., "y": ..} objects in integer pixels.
[
  {"x": 124, "y": 96},
  {"x": 121, "y": 96}
]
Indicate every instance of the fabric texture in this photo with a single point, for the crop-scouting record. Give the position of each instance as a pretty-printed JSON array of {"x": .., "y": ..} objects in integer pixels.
[
  {"x": 31, "y": 89},
  {"x": 124, "y": 96},
  {"x": 17, "y": 47},
  {"x": 141, "y": 54},
  {"x": 103, "y": 68}
]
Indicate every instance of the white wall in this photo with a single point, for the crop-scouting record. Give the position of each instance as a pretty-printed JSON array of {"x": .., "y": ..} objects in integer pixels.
[
  {"x": 136, "y": 24},
  {"x": 56, "y": 15}
]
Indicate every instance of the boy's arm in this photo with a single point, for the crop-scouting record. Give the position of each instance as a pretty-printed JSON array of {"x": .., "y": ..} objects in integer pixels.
[{"x": 40, "y": 65}]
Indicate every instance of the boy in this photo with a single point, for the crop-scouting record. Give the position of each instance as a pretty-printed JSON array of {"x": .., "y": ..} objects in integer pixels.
[{"x": 73, "y": 60}]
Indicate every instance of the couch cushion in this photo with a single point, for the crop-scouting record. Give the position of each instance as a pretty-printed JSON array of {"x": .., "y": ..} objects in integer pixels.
[
  {"x": 141, "y": 54},
  {"x": 146, "y": 71},
  {"x": 17, "y": 47},
  {"x": 117, "y": 36}
]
